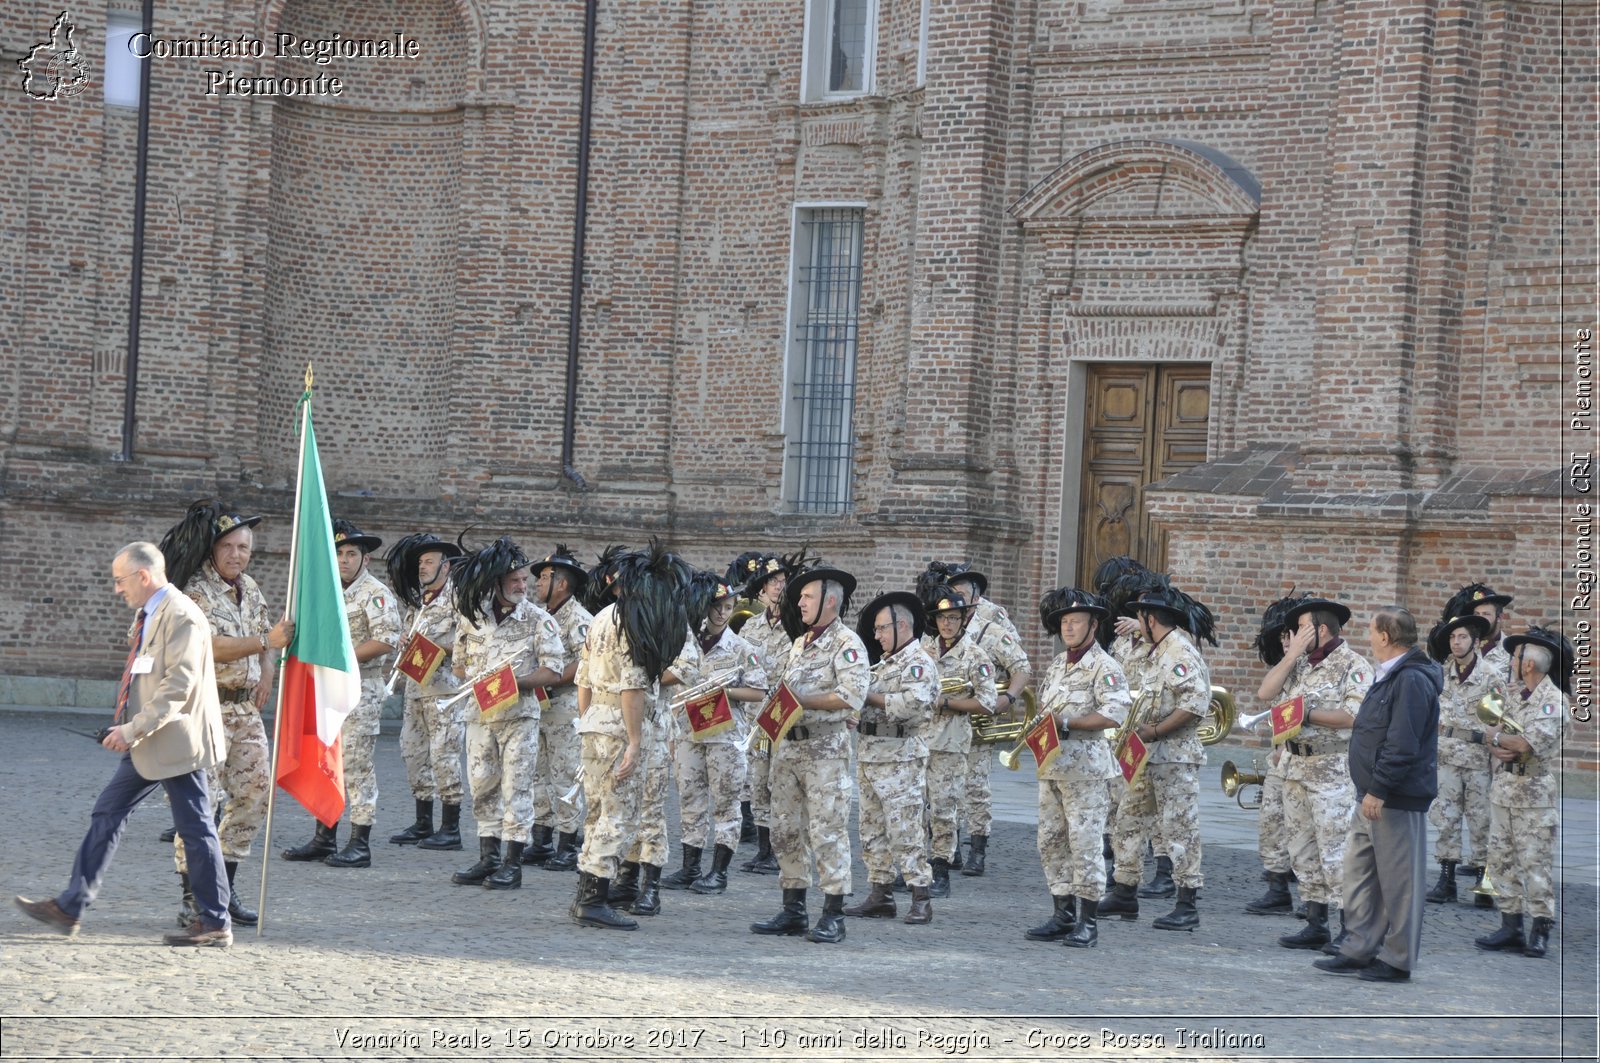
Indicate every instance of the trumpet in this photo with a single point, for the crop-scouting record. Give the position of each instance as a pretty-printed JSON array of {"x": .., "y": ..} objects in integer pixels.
[
  {"x": 955, "y": 687},
  {"x": 1251, "y": 722},
  {"x": 1491, "y": 711},
  {"x": 1012, "y": 758},
  {"x": 1485, "y": 888},
  {"x": 466, "y": 687},
  {"x": 710, "y": 686},
  {"x": 1234, "y": 782},
  {"x": 1142, "y": 700}
]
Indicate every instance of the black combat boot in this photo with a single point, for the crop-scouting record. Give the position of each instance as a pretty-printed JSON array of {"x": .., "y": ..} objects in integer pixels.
[
  {"x": 716, "y": 880},
  {"x": 1276, "y": 899},
  {"x": 1087, "y": 932},
  {"x": 187, "y": 912},
  {"x": 236, "y": 911},
  {"x": 1161, "y": 884},
  {"x": 648, "y": 902},
  {"x": 1444, "y": 891},
  {"x": 1060, "y": 923},
  {"x": 590, "y": 907},
  {"x": 625, "y": 887},
  {"x": 1120, "y": 901},
  {"x": 542, "y": 848},
  {"x": 764, "y": 862},
  {"x": 977, "y": 851},
  {"x": 921, "y": 906},
  {"x": 488, "y": 863},
  {"x": 357, "y": 852},
  {"x": 448, "y": 836},
  {"x": 1314, "y": 934},
  {"x": 1336, "y": 946},
  {"x": 747, "y": 823},
  {"x": 1184, "y": 915},
  {"x": 1509, "y": 936},
  {"x": 418, "y": 830},
  {"x": 830, "y": 928},
  {"x": 565, "y": 858},
  {"x": 508, "y": 876},
  {"x": 791, "y": 919},
  {"x": 1538, "y": 936},
  {"x": 684, "y": 877},
  {"x": 941, "y": 879},
  {"x": 323, "y": 844},
  {"x": 878, "y": 905}
]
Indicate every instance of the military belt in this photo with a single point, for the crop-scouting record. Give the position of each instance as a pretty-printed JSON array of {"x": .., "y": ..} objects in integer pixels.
[
  {"x": 883, "y": 730},
  {"x": 1461, "y": 733},
  {"x": 231, "y": 695},
  {"x": 802, "y": 732},
  {"x": 1303, "y": 749},
  {"x": 1531, "y": 766}
]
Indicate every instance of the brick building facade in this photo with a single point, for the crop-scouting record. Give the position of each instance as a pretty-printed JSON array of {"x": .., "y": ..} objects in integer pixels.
[{"x": 1273, "y": 290}]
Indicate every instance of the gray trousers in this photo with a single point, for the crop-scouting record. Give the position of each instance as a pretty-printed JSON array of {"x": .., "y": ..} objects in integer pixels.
[{"x": 1385, "y": 881}]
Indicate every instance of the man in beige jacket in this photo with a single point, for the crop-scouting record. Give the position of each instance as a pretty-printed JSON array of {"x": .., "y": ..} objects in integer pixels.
[{"x": 172, "y": 734}]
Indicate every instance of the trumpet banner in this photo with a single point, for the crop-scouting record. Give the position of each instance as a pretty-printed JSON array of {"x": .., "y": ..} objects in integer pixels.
[
  {"x": 781, "y": 712},
  {"x": 1044, "y": 741},
  {"x": 1132, "y": 758},
  {"x": 1287, "y": 719},
  {"x": 709, "y": 716},
  {"x": 420, "y": 659},
  {"x": 496, "y": 692}
]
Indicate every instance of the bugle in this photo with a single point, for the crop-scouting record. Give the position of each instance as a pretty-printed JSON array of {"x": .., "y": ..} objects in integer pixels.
[
  {"x": 1251, "y": 722},
  {"x": 466, "y": 687},
  {"x": 1235, "y": 781},
  {"x": 1491, "y": 711},
  {"x": 717, "y": 682},
  {"x": 394, "y": 671},
  {"x": 1012, "y": 758}
]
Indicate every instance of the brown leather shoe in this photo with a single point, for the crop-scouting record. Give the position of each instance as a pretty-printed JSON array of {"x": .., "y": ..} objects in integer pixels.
[
  {"x": 878, "y": 905},
  {"x": 198, "y": 936},
  {"x": 921, "y": 907},
  {"x": 50, "y": 914}
]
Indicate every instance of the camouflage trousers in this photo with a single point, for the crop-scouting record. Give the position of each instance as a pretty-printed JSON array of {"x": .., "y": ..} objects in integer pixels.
[
  {"x": 359, "y": 742},
  {"x": 759, "y": 776},
  {"x": 1166, "y": 802},
  {"x": 1272, "y": 833},
  {"x": 1463, "y": 796},
  {"x": 811, "y": 818},
  {"x": 1317, "y": 807},
  {"x": 890, "y": 821},
  {"x": 1072, "y": 817},
  {"x": 1521, "y": 856},
  {"x": 1116, "y": 790},
  {"x": 501, "y": 755},
  {"x": 977, "y": 799},
  {"x": 947, "y": 778},
  {"x": 244, "y": 776},
  {"x": 430, "y": 744},
  {"x": 650, "y": 840},
  {"x": 560, "y": 761},
  {"x": 710, "y": 776},
  {"x": 611, "y": 807}
]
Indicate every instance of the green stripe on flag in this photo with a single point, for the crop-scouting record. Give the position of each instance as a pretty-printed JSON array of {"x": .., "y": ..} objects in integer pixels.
[{"x": 321, "y": 633}]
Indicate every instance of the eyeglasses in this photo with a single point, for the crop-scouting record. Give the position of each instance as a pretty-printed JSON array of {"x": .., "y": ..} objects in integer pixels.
[{"x": 881, "y": 628}]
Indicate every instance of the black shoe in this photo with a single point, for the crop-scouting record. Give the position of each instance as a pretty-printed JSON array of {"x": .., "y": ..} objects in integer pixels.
[
  {"x": 322, "y": 845},
  {"x": 747, "y": 823},
  {"x": 358, "y": 852},
  {"x": 1444, "y": 891},
  {"x": 682, "y": 878},
  {"x": 764, "y": 862},
  {"x": 830, "y": 928},
  {"x": 1184, "y": 916},
  {"x": 565, "y": 858},
  {"x": 1538, "y": 937},
  {"x": 1276, "y": 899},
  {"x": 187, "y": 912},
  {"x": 169, "y": 834},
  {"x": 1060, "y": 923},
  {"x": 941, "y": 879},
  {"x": 921, "y": 912},
  {"x": 977, "y": 852},
  {"x": 1161, "y": 885},
  {"x": 1087, "y": 932},
  {"x": 648, "y": 902},
  {"x": 1341, "y": 964},
  {"x": 448, "y": 836},
  {"x": 419, "y": 830},
  {"x": 1314, "y": 934},
  {"x": 508, "y": 876},
  {"x": 488, "y": 863},
  {"x": 625, "y": 887},
  {"x": 716, "y": 880},
  {"x": 955, "y": 861},
  {"x": 1336, "y": 946},
  {"x": 236, "y": 911},
  {"x": 790, "y": 920},
  {"x": 590, "y": 907},
  {"x": 1378, "y": 971},
  {"x": 1120, "y": 901},
  {"x": 540, "y": 849},
  {"x": 1509, "y": 936}
]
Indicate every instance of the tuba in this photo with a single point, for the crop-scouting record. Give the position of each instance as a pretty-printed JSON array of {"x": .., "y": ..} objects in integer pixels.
[
  {"x": 1234, "y": 782},
  {"x": 1218, "y": 720},
  {"x": 746, "y": 608}
]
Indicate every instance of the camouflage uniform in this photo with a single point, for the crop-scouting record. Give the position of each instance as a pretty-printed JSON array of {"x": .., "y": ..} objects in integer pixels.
[
  {"x": 374, "y": 615},
  {"x": 810, "y": 770},
  {"x": 1129, "y": 653},
  {"x": 658, "y": 734},
  {"x": 244, "y": 774},
  {"x": 1523, "y": 812},
  {"x": 1272, "y": 832},
  {"x": 1167, "y": 799},
  {"x": 1464, "y": 762},
  {"x": 892, "y": 768},
  {"x": 995, "y": 635},
  {"x": 1318, "y": 796},
  {"x": 611, "y": 807},
  {"x": 772, "y": 644},
  {"x": 712, "y": 771},
  {"x": 949, "y": 737},
  {"x": 1073, "y": 803},
  {"x": 431, "y": 738},
  {"x": 560, "y": 751},
  {"x": 503, "y": 749},
  {"x": 1498, "y": 661}
]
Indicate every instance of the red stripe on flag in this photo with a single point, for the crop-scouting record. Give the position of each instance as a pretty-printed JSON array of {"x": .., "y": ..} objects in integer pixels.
[{"x": 308, "y": 771}]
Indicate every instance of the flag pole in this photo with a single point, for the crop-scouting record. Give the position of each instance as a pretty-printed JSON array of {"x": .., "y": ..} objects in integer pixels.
[{"x": 283, "y": 657}]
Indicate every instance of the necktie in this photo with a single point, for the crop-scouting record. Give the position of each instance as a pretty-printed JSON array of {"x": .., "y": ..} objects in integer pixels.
[{"x": 127, "y": 669}]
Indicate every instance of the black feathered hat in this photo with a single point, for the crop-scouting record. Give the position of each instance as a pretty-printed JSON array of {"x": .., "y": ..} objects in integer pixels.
[
  {"x": 868, "y": 619},
  {"x": 1439, "y": 637},
  {"x": 1471, "y": 596},
  {"x": 186, "y": 546},
  {"x": 953, "y": 572},
  {"x": 347, "y": 534},
  {"x": 1063, "y": 600},
  {"x": 563, "y": 559},
  {"x": 651, "y": 588},
  {"x": 1562, "y": 656},
  {"x": 698, "y": 597},
  {"x": 1159, "y": 600},
  {"x": 479, "y": 575},
  {"x": 1183, "y": 611},
  {"x": 1269, "y": 644},
  {"x": 1118, "y": 581},
  {"x": 597, "y": 588},
  {"x": 744, "y": 567},
  {"x": 1312, "y": 604},
  {"x": 1116, "y": 570},
  {"x": 945, "y": 599},
  {"x": 401, "y": 563},
  {"x": 790, "y": 612}
]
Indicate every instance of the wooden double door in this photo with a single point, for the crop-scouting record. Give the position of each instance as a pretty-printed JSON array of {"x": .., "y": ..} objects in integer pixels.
[{"x": 1141, "y": 423}]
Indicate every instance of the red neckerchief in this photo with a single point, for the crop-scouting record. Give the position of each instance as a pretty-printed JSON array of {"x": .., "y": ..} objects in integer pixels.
[
  {"x": 428, "y": 596},
  {"x": 812, "y": 634},
  {"x": 1463, "y": 676},
  {"x": 1074, "y": 656},
  {"x": 706, "y": 644},
  {"x": 1320, "y": 654},
  {"x": 1151, "y": 652},
  {"x": 1526, "y": 694},
  {"x": 1490, "y": 643}
]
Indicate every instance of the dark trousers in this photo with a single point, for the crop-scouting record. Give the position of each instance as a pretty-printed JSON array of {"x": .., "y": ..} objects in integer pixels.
[
  {"x": 1385, "y": 881},
  {"x": 191, "y": 815}
]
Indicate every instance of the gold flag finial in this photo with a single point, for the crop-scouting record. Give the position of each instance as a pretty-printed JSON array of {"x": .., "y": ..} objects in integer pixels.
[{"x": 308, "y": 376}]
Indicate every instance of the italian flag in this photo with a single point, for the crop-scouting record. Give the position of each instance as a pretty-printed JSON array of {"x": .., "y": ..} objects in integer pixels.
[{"x": 321, "y": 681}]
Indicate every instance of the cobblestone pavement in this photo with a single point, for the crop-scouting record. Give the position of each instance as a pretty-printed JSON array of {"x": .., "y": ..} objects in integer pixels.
[{"x": 395, "y": 962}]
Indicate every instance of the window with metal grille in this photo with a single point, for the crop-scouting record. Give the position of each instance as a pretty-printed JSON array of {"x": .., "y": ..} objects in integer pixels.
[{"x": 825, "y": 306}]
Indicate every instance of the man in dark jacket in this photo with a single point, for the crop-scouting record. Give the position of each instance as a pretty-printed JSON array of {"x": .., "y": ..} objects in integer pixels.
[{"x": 1394, "y": 764}]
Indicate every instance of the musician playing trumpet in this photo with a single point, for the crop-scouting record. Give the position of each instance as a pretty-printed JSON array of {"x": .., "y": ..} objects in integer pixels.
[{"x": 1086, "y": 693}]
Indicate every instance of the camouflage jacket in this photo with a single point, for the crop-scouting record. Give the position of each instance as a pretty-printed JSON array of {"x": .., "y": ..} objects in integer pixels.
[
  {"x": 244, "y": 618},
  {"x": 1094, "y": 684},
  {"x": 909, "y": 683},
  {"x": 1175, "y": 675},
  {"x": 1541, "y": 713},
  {"x": 526, "y": 639},
  {"x": 374, "y": 615},
  {"x": 832, "y": 662},
  {"x": 951, "y": 732}
]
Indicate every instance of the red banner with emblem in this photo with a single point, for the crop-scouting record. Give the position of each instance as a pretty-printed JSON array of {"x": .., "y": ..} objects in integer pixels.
[
  {"x": 496, "y": 692},
  {"x": 420, "y": 659},
  {"x": 779, "y": 714},
  {"x": 1044, "y": 740},
  {"x": 709, "y": 716},
  {"x": 1132, "y": 757},
  {"x": 1287, "y": 719}
]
